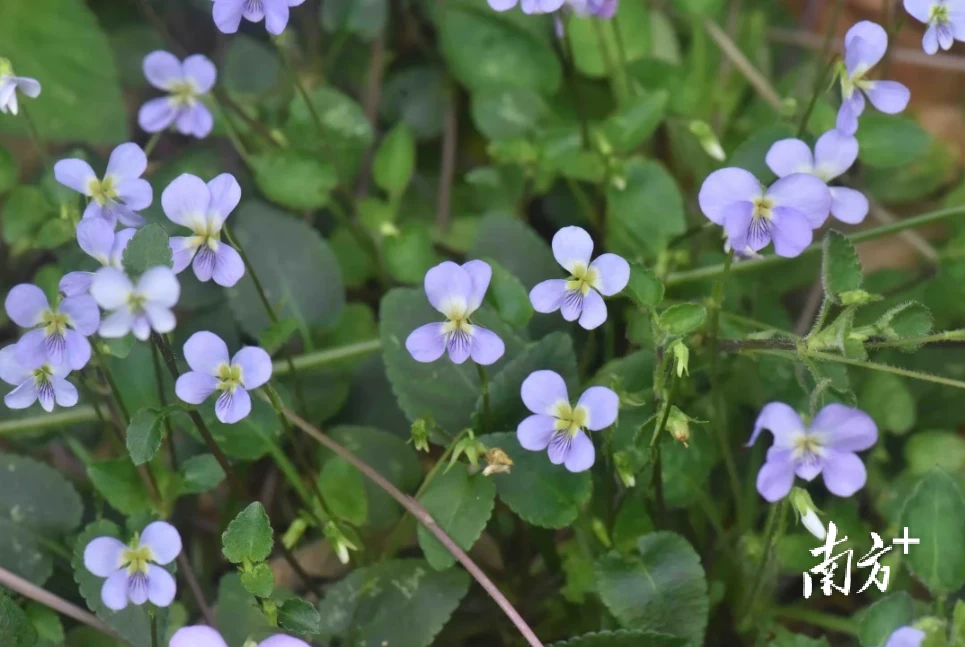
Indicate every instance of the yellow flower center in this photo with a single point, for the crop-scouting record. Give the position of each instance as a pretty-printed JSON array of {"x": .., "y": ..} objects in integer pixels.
[
  {"x": 939, "y": 14},
  {"x": 103, "y": 190},
  {"x": 137, "y": 558},
  {"x": 55, "y": 323},
  {"x": 762, "y": 208},
  {"x": 206, "y": 232},
  {"x": 183, "y": 93},
  {"x": 135, "y": 302},
  {"x": 570, "y": 420},
  {"x": 582, "y": 279},
  {"x": 42, "y": 374},
  {"x": 230, "y": 377},
  {"x": 457, "y": 320},
  {"x": 808, "y": 445}
]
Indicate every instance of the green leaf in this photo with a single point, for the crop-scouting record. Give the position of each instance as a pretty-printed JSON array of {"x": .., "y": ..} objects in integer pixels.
[
  {"x": 46, "y": 622},
  {"x": 248, "y": 536},
  {"x": 9, "y": 172},
  {"x": 785, "y": 638},
  {"x": 508, "y": 296},
  {"x": 277, "y": 334},
  {"x": 250, "y": 66},
  {"x": 374, "y": 602},
  {"x": 53, "y": 234},
  {"x": 935, "y": 512},
  {"x": 888, "y": 141},
  {"x": 200, "y": 474},
  {"x": 34, "y": 494},
  {"x": 118, "y": 482},
  {"x": 553, "y": 352},
  {"x": 149, "y": 248},
  {"x": 840, "y": 267},
  {"x": 238, "y": 615},
  {"x": 259, "y": 581},
  {"x": 364, "y": 18},
  {"x": 296, "y": 267},
  {"x": 294, "y": 179},
  {"x": 505, "y": 112},
  {"x": 395, "y": 161},
  {"x": 25, "y": 211},
  {"x": 470, "y": 33},
  {"x": 644, "y": 216},
  {"x": 356, "y": 264},
  {"x": 245, "y": 439},
  {"x": 596, "y": 46},
  {"x": 15, "y": 627},
  {"x": 958, "y": 625},
  {"x": 635, "y": 122},
  {"x": 644, "y": 286},
  {"x": 887, "y": 399},
  {"x": 119, "y": 347},
  {"x": 343, "y": 488},
  {"x": 751, "y": 153},
  {"x": 926, "y": 450},
  {"x": 623, "y": 638},
  {"x": 22, "y": 554},
  {"x": 446, "y": 391},
  {"x": 346, "y": 131},
  {"x": 418, "y": 96},
  {"x": 541, "y": 493},
  {"x": 461, "y": 505},
  {"x": 300, "y": 617},
  {"x": 144, "y": 435},
  {"x": 409, "y": 254},
  {"x": 682, "y": 318},
  {"x": 514, "y": 245},
  {"x": 662, "y": 590},
  {"x": 905, "y": 321},
  {"x": 66, "y": 49},
  {"x": 878, "y": 621}
]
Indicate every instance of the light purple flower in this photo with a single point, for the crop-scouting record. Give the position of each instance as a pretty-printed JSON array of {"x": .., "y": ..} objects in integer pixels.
[
  {"x": 827, "y": 447},
  {"x": 138, "y": 309},
  {"x": 228, "y": 14},
  {"x": 203, "y": 636},
  {"x": 605, "y": 9},
  {"x": 457, "y": 292},
  {"x": 558, "y": 425},
  {"x": 120, "y": 195},
  {"x": 185, "y": 83},
  {"x": 528, "y": 6},
  {"x": 99, "y": 241},
  {"x": 203, "y": 208},
  {"x": 753, "y": 216},
  {"x": 133, "y": 572},
  {"x": 211, "y": 371},
  {"x": 906, "y": 637},
  {"x": 59, "y": 334},
  {"x": 9, "y": 84},
  {"x": 945, "y": 20},
  {"x": 865, "y": 45},
  {"x": 834, "y": 153},
  {"x": 45, "y": 383},
  {"x": 578, "y": 297}
]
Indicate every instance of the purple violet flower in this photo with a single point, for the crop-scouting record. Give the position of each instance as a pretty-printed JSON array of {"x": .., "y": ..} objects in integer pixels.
[
  {"x": 228, "y": 14},
  {"x": 945, "y": 20},
  {"x": 528, "y": 6},
  {"x": 120, "y": 195},
  {"x": 203, "y": 636},
  {"x": 834, "y": 153},
  {"x": 132, "y": 571},
  {"x": 826, "y": 447},
  {"x": 9, "y": 84},
  {"x": 203, "y": 208},
  {"x": 604, "y": 9},
  {"x": 457, "y": 292},
  {"x": 98, "y": 240},
  {"x": 578, "y": 297},
  {"x": 211, "y": 371},
  {"x": 865, "y": 45},
  {"x": 59, "y": 334},
  {"x": 906, "y": 637},
  {"x": 45, "y": 383},
  {"x": 558, "y": 425},
  {"x": 138, "y": 309},
  {"x": 753, "y": 216},
  {"x": 185, "y": 83}
]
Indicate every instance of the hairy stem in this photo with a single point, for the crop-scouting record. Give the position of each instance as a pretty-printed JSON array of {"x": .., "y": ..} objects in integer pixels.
[{"x": 484, "y": 389}]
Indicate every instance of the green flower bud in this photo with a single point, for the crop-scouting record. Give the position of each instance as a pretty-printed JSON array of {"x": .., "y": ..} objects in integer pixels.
[
  {"x": 802, "y": 503},
  {"x": 708, "y": 140}
]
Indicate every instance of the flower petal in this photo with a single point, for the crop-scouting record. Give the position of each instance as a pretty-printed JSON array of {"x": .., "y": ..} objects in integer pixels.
[
  {"x": 135, "y": 194},
  {"x": 449, "y": 288},
  {"x": 788, "y": 156},
  {"x": 127, "y": 162},
  {"x": 183, "y": 249},
  {"x": 593, "y": 313},
  {"x": 614, "y": 273},
  {"x": 808, "y": 469},
  {"x": 276, "y": 16},
  {"x": 103, "y": 556},
  {"x": 156, "y": 115},
  {"x": 919, "y": 9},
  {"x": 543, "y": 391},
  {"x": 844, "y": 473},
  {"x": 486, "y": 347},
  {"x": 227, "y": 15},
  {"x": 205, "y": 352},
  {"x": 197, "y": 636},
  {"x": 779, "y": 419},
  {"x": 96, "y": 238},
  {"x": 110, "y": 288},
  {"x": 162, "y": 69},
  {"x": 11, "y": 371},
  {"x": 225, "y": 195},
  {"x": 929, "y": 42},
  {"x": 724, "y": 187},
  {"x": 159, "y": 286},
  {"x": 848, "y": 429},
  {"x": 114, "y": 590},
  {"x": 548, "y": 296},
  {"x": 864, "y": 45},
  {"x": 77, "y": 349},
  {"x": 163, "y": 539},
  {"x": 602, "y": 406},
  {"x": 186, "y": 201},
  {"x": 535, "y": 431},
  {"x": 137, "y": 589},
  {"x": 281, "y": 640},
  {"x": 834, "y": 153},
  {"x": 255, "y": 365},
  {"x": 889, "y": 97},
  {"x": 32, "y": 349},
  {"x": 228, "y": 266},
  {"x": 117, "y": 324},
  {"x": 481, "y": 273},
  {"x": 426, "y": 343},
  {"x": 459, "y": 346},
  {"x": 65, "y": 393},
  {"x": 572, "y": 248},
  {"x": 791, "y": 231},
  {"x": 195, "y": 120},
  {"x": 83, "y": 313},
  {"x": 737, "y": 224},
  {"x": 572, "y": 305},
  {"x": 203, "y": 264},
  {"x": 848, "y": 205},
  {"x": 804, "y": 193},
  {"x": 776, "y": 477},
  {"x": 23, "y": 396},
  {"x": 31, "y": 87},
  {"x": 851, "y": 109},
  {"x": 232, "y": 407},
  {"x": 194, "y": 387},
  {"x": 162, "y": 319},
  {"x": 123, "y": 214},
  {"x": 502, "y": 5},
  {"x": 581, "y": 455},
  {"x": 906, "y": 637},
  {"x": 26, "y": 304},
  {"x": 75, "y": 283},
  {"x": 75, "y": 174},
  {"x": 201, "y": 71}
]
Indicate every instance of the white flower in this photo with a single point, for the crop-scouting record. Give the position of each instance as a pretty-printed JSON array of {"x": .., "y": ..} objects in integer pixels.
[{"x": 138, "y": 309}]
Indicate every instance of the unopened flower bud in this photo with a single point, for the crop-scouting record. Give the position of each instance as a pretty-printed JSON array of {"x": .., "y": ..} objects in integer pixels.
[
  {"x": 805, "y": 507},
  {"x": 294, "y": 533},
  {"x": 497, "y": 462},
  {"x": 340, "y": 543},
  {"x": 708, "y": 140},
  {"x": 628, "y": 463},
  {"x": 420, "y": 435},
  {"x": 469, "y": 446},
  {"x": 678, "y": 424},
  {"x": 681, "y": 356},
  {"x": 389, "y": 230}
]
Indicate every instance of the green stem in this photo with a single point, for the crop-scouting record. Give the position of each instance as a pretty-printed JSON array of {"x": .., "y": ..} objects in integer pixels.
[
  {"x": 303, "y": 93},
  {"x": 822, "y": 317},
  {"x": 162, "y": 401},
  {"x": 115, "y": 392},
  {"x": 154, "y": 640},
  {"x": 768, "y": 262},
  {"x": 152, "y": 142},
  {"x": 585, "y": 205},
  {"x": 818, "y": 619},
  {"x": 821, "y": 72},
  {"x": 770, "y": 531},
  {"x": 621, "y": 52},
  {"x": 362, "y": 237},
  {"x": 618, "y": 87},
  {"x": 35, "y": 136},
  {"x": 570, "y": 65},
  {"x": 948, "y": 335},
  {"x": 233, "y": 134},
  {"x": 484, "y": 388}
]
